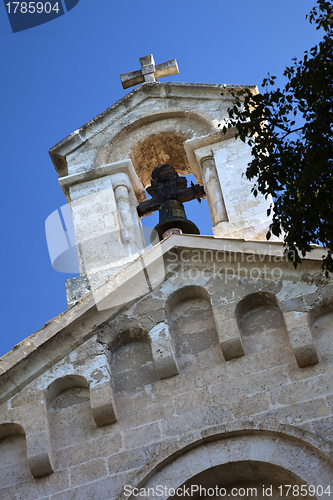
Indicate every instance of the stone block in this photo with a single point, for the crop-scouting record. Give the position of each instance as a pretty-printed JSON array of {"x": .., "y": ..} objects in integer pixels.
[
  {"x": 39, "y": 454},
  {"x": 103, "y": 403},
  {"x": 295, "y": 374},
  {"x": 232, "y": 348},
  {"x": 127, "y": 460},
  {"x": 108, "y": 488},
  {"x": 306, "y": 355},
  {"x": 233, "y": 449},
  {"x": 13, "y": 473},
  {"x": 303, "y": 390},
  {"x": 296, "y": 304},
  {"x": 237, "y": 389},
  {"x": 141, "y": 436},
  {"x": 103, "y": 446},
  {"x": 323, "y": 428},
  {"x": 291, "y": 290},
  {"x": 251, "y": 405},
  {"x": 146, "y": 321},
  {"x": 162, "y": 351},
  {"x": 230, "y": 339},
  {"x": 311, "y": 298},
  {"x": 320, "y": 474},
  {"x": 158, "y": 316},
  {"x": 300, "y": 338},
  {"x": 131, "y": 379},
  {"x": 28, "y": 395},
  {"x": 51, "y": 484},
  {"x": 41, "y": 488},
  {"x": 260, "y": 362},
  {"x": 134, "y": 416},
  {"x": 166, "y": 367},
  {"x": 326, "y": 291},
  {"x": 76, "y": 289},
  {"x": 196, "y": 420},
  {"x": 72, "y": 425},
  {"x": 302, "y": 412},
  {"x": 131, "y": 356},
  {"x": 195, "y": 342},
  {"x": 8, "y": 493},
  {"x": 263, "y": 449},
  {"x": 90, "y": 471},
  {"x": 265, "y": 380},
  {"x": 192, "y": 400}
]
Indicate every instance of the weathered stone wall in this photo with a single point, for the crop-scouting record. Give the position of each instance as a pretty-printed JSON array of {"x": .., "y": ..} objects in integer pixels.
[{"x": 217, "y": 379}]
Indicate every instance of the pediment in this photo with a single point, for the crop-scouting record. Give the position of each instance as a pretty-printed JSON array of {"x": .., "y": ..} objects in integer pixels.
[{"x": 191, "y": 110}]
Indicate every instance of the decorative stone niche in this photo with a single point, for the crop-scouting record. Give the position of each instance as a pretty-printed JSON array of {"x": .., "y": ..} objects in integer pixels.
[
  {"x": 320, "y": 322},
  {"x": 261, "y": 323},
  {"x": 132, "y": 360},
  {"x": 193, "y": 328},
  {"x": 13, "y": 455}
]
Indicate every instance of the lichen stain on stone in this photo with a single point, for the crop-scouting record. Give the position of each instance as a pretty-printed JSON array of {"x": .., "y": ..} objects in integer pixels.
[
  {"x": 97, "y": 375},
  {"x": 165, "y": 147}
]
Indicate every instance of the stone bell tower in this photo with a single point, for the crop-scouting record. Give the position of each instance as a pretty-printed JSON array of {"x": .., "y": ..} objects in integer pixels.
[
  {"x": 199, "y": 367},
  {"x": 105, "y": 166}
]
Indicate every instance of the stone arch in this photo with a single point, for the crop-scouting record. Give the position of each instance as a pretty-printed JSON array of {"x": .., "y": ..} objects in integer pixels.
[
  {"x": 261, "y": 322},
  {"x": 319, "y": 309},
  {"x": 185, "y": 293},
  {"x": 248, "y": 451},
  {"x": 193, "y": 327},
  {"x": 63, "y": 384},
  {"x": 9, "y": 429},
  {"x": 320, "y": 318},
  {"x": 163, "y": 133},
  {"x": 126, "y": 334}
]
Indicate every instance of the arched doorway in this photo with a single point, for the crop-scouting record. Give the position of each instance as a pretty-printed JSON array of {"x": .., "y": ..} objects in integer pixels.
[
  {"x": 245, "y": 480},
  {"x": 243, "y": 459}
]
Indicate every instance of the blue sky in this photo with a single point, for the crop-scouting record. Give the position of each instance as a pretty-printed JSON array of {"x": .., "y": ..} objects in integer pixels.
[{"x": 58, "y": 76}]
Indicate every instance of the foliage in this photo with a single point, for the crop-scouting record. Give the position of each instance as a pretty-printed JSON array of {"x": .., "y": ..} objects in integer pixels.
[{"x": 290, "y": 132}]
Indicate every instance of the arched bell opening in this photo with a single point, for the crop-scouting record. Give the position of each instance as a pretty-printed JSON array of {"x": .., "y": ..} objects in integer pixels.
[
  {"x": 156, "y": 149},
  {"x": 153, "y": 140},
  {"x": 162, "y": 162}
]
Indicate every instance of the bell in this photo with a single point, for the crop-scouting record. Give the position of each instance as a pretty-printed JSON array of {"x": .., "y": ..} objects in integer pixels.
[{"x": 172, "y": 218}]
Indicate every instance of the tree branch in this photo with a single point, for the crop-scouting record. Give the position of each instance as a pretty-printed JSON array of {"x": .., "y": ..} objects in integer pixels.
[{"x": 291, "y": 132}]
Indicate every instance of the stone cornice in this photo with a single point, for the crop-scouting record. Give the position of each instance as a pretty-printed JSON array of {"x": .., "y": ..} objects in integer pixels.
[{"x": 109, "y": 169}]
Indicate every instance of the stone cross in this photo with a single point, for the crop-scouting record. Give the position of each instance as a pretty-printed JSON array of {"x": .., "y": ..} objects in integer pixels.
[{"x": 149, "y": 72}]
